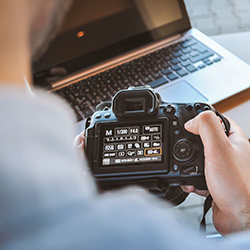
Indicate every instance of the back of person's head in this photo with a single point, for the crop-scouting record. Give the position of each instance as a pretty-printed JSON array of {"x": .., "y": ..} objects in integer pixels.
[{"x": 36, "y": 20}]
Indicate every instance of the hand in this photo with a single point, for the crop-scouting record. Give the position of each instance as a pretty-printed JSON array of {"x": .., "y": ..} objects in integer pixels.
[
  {"x": 80, "y": 141},
  {"x": 227, "y": 171}
]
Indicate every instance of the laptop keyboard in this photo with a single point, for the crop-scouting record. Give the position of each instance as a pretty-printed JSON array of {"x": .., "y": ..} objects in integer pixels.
[{"x": 157, "y": 68}]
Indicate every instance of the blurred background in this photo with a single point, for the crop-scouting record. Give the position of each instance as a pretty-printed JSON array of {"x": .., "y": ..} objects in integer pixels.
[{"x": 214, "y": 17}]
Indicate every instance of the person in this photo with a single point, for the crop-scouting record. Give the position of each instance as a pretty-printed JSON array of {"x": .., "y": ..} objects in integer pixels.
[{"x": 48, "y": 198}]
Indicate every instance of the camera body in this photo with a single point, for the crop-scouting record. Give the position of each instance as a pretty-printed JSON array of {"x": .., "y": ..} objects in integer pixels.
[{"x": 137, "y": 139}]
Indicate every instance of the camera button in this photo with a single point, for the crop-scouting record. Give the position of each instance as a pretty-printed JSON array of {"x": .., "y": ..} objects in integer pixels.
[
  {"x": 189, "y": 107},
  {"x": 169, "y": 109},
  {"x": 189, "y": 170},
  {"x": 207, "y": 108},
  {"x": 175, "y": 167},
  {"x": 156, "y": 137},
  {"x": 183, "y": 150},
  {"x": 120, "y": 146},
  {"x": 197, "y": 106},
  {"x": 107, "y": 115},
  {"x": 175, "y": 122},
  {"x": 177, "y": 132},
  {"x": 98, "y": 116}
]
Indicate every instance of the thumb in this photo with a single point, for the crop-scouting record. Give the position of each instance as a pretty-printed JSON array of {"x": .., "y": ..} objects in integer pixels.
[
  {"x": 208, "y": 126},
  {"x": 80, "y": 141}
]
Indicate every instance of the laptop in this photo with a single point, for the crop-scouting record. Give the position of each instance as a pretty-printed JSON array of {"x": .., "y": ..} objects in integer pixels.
[{"x": 105, "y": 46}]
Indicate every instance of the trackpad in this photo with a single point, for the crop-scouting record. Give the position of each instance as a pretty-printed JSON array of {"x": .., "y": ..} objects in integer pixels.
[{"x": 181, "y": 92}]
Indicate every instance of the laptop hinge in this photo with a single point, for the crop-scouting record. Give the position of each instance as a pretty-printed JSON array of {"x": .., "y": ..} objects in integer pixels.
[{"x": 113, "y": 62}]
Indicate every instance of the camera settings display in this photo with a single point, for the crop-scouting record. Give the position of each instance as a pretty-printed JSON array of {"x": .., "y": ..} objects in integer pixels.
[{"x": 135, "y": 144}]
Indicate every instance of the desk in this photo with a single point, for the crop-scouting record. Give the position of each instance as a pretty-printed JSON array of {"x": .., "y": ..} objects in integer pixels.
[{"x": 237, "y": 107}]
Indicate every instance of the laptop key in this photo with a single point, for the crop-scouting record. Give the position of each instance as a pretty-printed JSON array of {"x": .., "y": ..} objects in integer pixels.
[
  {"x": 176, "y": 48},
  {"x": 201, "y": 66},
  {"x": 145, "y": 72},
  {"x": 125, "y": 82},
  {"x": 191, "y": 68},
  {"x": 177, "y": 54},
  {"x": 136, "y": 84},
  {"x": 201, "y": 57},
  {"x": 186, "y": 50},
  {"x": 154, "y": 69},
  {"x": 87, "y": 112},
  {"x": 208, "y": 61},
  {"x": 217, "y": 59},
  {"x": 70, "y": 98},
  {"x": 78, "y": 102},
  {"x": 185, "y": 63},
  {"x": 135, "y": 77},
  {"x": 199, "y": 48},
  {"x": 165, "y": 65},
  {"x": 188, "y": 43},
  {"x": 172, "y": 76},
  {"x": 175, "y": 67},
  {"x": 182, "y": 72},
  {"x": 183, "y": 57},
  {"x": 174, "y": 61},
  {"x": 166, "y": 71},
  {"x": 79, "y": 115},
  {"x": 156, "y": 76},
  {"x": 158, "y": 82},
  {"x": 146, "y": 80},
  {"x": 194, "y": 53}
]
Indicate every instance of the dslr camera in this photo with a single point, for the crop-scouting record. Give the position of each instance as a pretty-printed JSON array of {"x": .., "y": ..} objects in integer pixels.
[{"x": 136, "y": 139}]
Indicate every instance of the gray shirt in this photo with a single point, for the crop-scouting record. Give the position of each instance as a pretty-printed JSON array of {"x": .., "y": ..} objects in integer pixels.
[{"x": 48, "y": 200}]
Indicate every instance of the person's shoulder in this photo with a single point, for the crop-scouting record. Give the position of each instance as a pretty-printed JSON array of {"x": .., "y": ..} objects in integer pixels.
[{"x": 31, "y": 100}]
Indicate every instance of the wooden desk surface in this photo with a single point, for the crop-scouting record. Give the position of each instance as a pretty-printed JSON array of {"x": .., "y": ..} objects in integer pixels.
[
  {"x": 241, "y": 99},
  {"x": 237, "y": 107}
]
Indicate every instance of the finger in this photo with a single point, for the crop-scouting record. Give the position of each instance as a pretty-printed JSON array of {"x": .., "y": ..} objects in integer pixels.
[
  {"x": 188, "y": 189},
  {"x": 209, "y": 127},
  {"x": 237, "y": 135},
  {"x": 80, "y": 140},
  {"x": 192, "y": 189}
]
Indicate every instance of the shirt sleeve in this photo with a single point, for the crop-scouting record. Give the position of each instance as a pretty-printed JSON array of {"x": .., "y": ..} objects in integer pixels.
[
  {"x": 39, "y": 165},
  {"x": 48, "y": 200}
]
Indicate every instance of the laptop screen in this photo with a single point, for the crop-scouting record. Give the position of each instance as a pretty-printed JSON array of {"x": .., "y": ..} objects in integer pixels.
[{"x": 96, "y": 30}]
